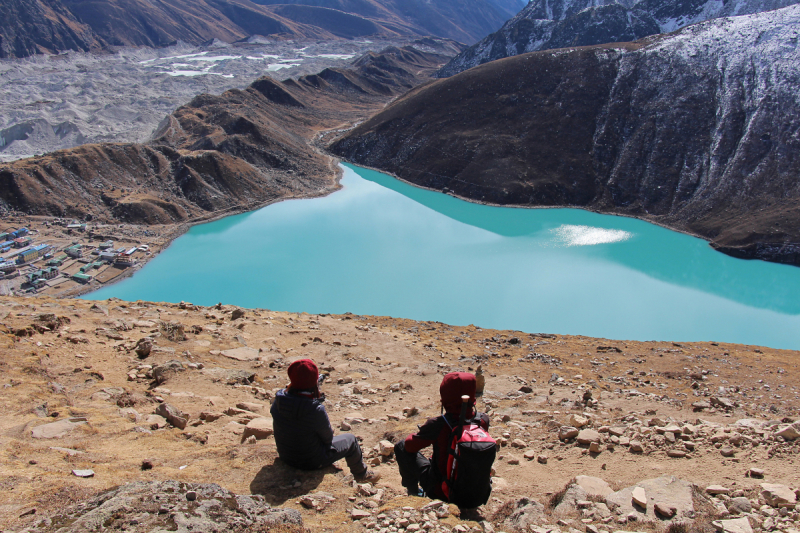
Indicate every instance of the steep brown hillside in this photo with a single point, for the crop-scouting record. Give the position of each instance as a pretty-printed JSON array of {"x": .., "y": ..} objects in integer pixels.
[
  {"x": 463, "y": 20},
  {"x": 696, "y": 131},
  {"x": 46, "y": 26},
  {"x": 30, "y": 27},
  {"x": 234, "y": 151}
]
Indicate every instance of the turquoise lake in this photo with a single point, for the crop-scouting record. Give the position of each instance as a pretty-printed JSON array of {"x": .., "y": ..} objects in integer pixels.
[{"x": 383, "y": 247}]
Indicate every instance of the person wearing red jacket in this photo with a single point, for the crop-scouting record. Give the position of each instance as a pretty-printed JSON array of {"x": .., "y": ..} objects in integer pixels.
[{"x": 416, "y": 470}]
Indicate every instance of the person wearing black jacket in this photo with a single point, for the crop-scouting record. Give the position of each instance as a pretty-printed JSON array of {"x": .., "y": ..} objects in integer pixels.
[
  {"x": 416, "y": 470},
  {"x": 303, "y": 432}
]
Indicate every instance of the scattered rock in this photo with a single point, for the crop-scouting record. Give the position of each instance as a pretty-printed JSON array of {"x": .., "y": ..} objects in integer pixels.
[
  {"x": 163, "y": 372},
  {"x": 739, "y": 505},
  {"x": 668, "y": 490},
  {"x": 385, "y": 448},
  {"x": 83, "y": 473},
  {"x": 155, "y": 421},
  {"x": 756, "y": 473},
  {"x": 727, "y": 451},
  {"x": 568, "y": 432},
  {"x": 588, "y": 436},
  {"x": 173, "y": 331},
  {"x": 237, "y": 314},
  {"x": 735, "y": 525},
  {"x": 777, "y": 495},
  {"x": 639, "y": 497},
  {"x": 230, "y": 376},
  {"x": 526, "y": 513},
  {"x": 250, "y": 406},
  {"x": 241, "y": 354},
  {"x": 664, "y": 511},
  {"x": 143, "y": 347},
  {"x": 790, "y": 432},
  {"x": 358, "y": 514},
  {"x": 717, "y": 489},
  {"x": 173, "y": 415},
  {"x": 260, "y": 428},
  {"x": 578, "y": 421},
  {"x": 56, "y": 430}
]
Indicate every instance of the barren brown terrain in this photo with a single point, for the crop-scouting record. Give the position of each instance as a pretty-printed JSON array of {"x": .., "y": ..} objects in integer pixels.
[{"x": 715, "y": 416}]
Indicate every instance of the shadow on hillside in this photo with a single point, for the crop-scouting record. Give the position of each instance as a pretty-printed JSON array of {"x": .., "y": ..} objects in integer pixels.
[{"x": 279, "y": 482}]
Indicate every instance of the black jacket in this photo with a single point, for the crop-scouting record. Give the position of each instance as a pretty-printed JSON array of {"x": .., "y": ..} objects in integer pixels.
[{"x": 303, "y": 432}]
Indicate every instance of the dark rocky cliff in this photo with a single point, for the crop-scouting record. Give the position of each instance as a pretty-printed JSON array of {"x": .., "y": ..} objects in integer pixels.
[
  {"x": 551, "y": 24},
  {"x": 698, "y": 130}
]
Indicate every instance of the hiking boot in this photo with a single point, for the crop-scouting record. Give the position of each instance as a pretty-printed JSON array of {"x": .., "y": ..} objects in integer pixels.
[
  {"x": 416, "y": 492},
  {"x": 369, "y": 476}
]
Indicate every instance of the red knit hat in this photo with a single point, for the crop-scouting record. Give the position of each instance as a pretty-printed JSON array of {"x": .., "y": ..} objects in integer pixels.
[
  {"x": 303, "y": 374},
  {"x": 454, "y": 385}
]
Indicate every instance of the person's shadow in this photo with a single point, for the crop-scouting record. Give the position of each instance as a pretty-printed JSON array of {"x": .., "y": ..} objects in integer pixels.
[{"x": 279, "y": 482}]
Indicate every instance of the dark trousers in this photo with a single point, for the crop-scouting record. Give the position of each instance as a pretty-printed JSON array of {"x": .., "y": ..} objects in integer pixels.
[
  {"x": 415, "y": 470},
  {"x": 345, "y": 446}
]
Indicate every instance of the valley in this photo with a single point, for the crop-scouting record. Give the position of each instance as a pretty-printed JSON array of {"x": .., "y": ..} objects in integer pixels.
[{"x": 634, "y": 377}]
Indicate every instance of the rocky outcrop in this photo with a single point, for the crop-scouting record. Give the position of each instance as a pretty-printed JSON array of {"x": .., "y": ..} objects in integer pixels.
[
  {"x": 30, "y": 27},
  {"x": 549, "y": 24},
  {"x": 697, "y": 130},
  {"x": 221, "y": 153},
  {"x": 180, "y": 507}
]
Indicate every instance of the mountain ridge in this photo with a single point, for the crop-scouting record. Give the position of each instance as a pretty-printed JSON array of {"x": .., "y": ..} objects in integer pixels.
[
  {"x": 553, "y": 24},
  {"x": 238, "y": 150},
  {"x": 51, "y": 26},
  {"x": 689, "y": 130}
]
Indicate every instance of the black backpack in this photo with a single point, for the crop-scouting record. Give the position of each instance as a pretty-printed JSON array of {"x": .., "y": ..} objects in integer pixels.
[{"x": 471, "y": 454}]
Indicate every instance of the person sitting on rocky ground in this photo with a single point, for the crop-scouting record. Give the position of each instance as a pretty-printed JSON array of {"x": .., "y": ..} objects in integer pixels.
[
  {"x": 303, "y": 432},
  {"x": 416, "y": 470}
]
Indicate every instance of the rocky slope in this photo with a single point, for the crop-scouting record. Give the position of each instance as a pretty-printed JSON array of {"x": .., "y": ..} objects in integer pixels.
[
  {"x": 463, "y": 20},
  {"x": 168, "y": 400},
  {"x": 549, "y": 24},
  {"x": 235, "y": 151},
  {"x": 697, "y": 131},
  {"x": 29, "y": 27},
  {"x": 49, "y": 26}
]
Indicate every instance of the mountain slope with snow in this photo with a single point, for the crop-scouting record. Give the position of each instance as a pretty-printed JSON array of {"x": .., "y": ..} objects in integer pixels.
[
  {"x": 550, "y": 24},
  {"x": 697, "y": 130}
]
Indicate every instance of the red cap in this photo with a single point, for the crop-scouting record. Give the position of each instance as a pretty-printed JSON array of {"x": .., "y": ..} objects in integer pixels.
[
  {"x": 303, "y": 375},
  {"x": 454, "y": 385}
]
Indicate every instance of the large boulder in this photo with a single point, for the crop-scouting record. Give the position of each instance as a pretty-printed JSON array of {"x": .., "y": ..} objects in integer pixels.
[
  {"x": 193, "y": 507},
  {"x": 668, "y": 491}
]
